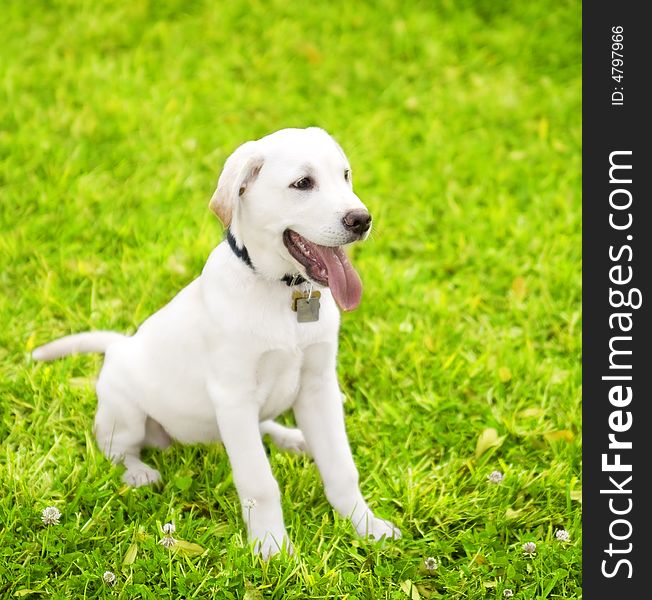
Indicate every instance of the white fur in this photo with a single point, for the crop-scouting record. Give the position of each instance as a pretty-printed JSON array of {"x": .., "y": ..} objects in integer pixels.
[{"x": 227, "y": 355}]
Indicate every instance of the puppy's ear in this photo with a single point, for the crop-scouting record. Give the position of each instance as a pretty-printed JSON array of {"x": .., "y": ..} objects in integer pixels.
[{"x": 240, "y": 171}]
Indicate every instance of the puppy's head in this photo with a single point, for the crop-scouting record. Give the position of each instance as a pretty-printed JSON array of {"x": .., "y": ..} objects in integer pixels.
[{"x": 288, "y": 198}]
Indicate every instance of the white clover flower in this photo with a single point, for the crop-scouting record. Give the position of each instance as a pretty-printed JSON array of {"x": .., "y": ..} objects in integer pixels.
[
  {"x": 169, "y": 528},
  {"x": 108, "y": 577},
  {"x": 51, "y": 515},
  {"x": 167, "y": 542},
  {"x": 562, "y": 535},
  {"x": 430, "y": 563},
  {"x": 250, "y": 503},
  {"x": 507, "y": 593},
  {"x": 529, "y": 548},
  {"x": 495, "y": 477}
]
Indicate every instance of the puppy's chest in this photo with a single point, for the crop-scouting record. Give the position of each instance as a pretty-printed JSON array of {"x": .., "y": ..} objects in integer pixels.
[{"x": 278, "y": 377}]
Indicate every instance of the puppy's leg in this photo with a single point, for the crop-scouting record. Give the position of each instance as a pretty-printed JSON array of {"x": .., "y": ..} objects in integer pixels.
[
  {"x": 155, "y": 435},
  {"x": 120, "y": 429},
  {"x": 288, "y": 438},
  {"x": 260, "y": 498},
  {"x": 319, "y": 414}
]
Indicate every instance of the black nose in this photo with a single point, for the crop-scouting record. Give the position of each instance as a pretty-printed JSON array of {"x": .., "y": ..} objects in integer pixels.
[{"x": 358, "y": 221}]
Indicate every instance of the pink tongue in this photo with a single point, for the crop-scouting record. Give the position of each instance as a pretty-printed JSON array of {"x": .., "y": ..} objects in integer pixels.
[{"x": 343, "y": 279}]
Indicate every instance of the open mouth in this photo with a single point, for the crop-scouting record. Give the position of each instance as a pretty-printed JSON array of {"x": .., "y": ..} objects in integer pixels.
[{"x": 327, "y": 266}]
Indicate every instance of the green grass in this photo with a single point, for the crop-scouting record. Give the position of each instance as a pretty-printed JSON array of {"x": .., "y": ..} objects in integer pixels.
[{"x": 462, "y": 122}]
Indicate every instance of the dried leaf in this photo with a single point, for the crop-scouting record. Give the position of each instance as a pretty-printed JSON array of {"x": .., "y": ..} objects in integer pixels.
[
  {"x": 188, "y": 548},
  {"x": 519, "y": 289},
  {"x": 220, "y": 530},
  {"x": 558, "y": 376},
  {"x": 564, "y": 435},
  {"x": 504, "y": 374},
  {"x": 426, "y": 592},
  {"x": 488, "y": 439},
  {"x": 533, "y": 412},
  {"x": 311, "y": 53},
  {"x": 176, "y": 265},
  {"x": 576, "y": 495},
  {"x": 513, "y": 514},
  {"x": 253, "y": 594},
  {"x": 81, "y": 382},
  {"x": 29, "y": 346},
  {"x": 410, "y": 590},
  {"x": 130, "y": 555},
  {"x": 543, "y": 128}
]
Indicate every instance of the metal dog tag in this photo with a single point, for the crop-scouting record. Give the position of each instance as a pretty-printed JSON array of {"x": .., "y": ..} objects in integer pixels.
[
  {"x": 307, "y": 310},
  {"x": 306, "y": 306}
]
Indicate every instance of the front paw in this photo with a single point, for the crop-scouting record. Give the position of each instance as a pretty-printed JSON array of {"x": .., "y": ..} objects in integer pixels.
[
  {"x": 377, "y": 529},
  {"x": 268, "y": 545},
  {"x": 139, "y": 476}
]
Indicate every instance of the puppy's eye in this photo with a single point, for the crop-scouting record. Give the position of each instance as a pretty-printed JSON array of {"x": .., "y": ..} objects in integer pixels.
[
  {"x": 305, "y": 183},
  {"x": 347, "y": 175}
]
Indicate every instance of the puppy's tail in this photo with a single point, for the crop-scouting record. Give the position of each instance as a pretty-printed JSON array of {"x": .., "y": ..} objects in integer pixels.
[{"x": 80, "y": 343}]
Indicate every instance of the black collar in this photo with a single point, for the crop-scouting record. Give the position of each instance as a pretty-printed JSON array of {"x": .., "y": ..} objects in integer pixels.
[{"x": 243, "y": 255}]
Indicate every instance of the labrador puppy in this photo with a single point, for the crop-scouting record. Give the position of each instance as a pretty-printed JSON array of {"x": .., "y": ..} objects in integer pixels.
[{"x": 255, "y": 335}]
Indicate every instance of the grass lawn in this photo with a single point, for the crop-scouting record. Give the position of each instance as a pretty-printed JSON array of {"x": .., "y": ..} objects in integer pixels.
[{"x": 463, "y": 126}]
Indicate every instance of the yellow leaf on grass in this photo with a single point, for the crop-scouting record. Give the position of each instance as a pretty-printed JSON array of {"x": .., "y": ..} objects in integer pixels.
[
  {"x": 534, "y": 411},
  {"x": 188, "y": 548},
  {"x": 311, "y": 53},
  {"x": 562, "y": 435},
  {"x": 410, "y": 590},
  {"x": 81, "y": 382},
  {"x": 176, "y": 265},
  {"x": 29, "y": 346},
  {"x": 488, "y": 439},
  {"x": 543, "y": 128},
  {"x": 504, "y": 374},
  {"x": 130, "y": 555},
  {"x": 519, "y": 289},
  {"x": 220, "y": 530},
  {"x": 253, "y": 594},
  {"x": 576, "y": 495},
  {"x": 426, "y": 592}
]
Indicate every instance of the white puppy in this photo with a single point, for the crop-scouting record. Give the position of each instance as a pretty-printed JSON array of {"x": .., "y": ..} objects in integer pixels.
[{"x": 249, "y": 338}]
